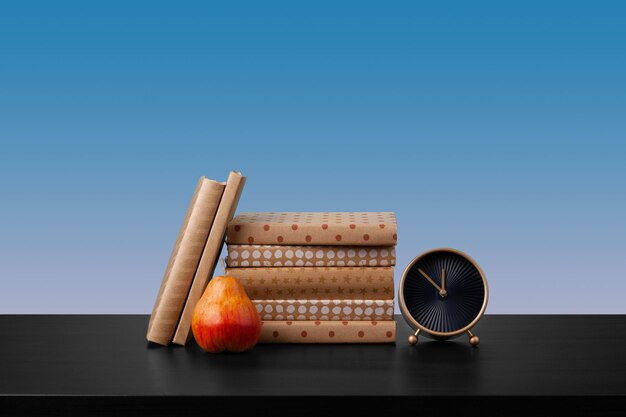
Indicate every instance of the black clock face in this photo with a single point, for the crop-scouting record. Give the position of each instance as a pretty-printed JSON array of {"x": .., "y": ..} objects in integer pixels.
[{"x": 443, "y": 291}]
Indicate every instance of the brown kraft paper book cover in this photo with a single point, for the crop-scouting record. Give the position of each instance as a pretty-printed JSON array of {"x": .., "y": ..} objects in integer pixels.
[
  {"x": 348, "y": 283},
  {"x": 184, "y": 260},
  {"x": 328, "y": 332},
  {"x": 326, "y": 310},
  {"x": 314, "y": 228},
  {"x": 245, "y": 256},
  {"x": 212, "y": 249}
]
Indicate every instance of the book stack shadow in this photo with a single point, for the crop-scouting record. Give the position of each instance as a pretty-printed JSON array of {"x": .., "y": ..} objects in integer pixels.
[{"x": 323, "y": 277}]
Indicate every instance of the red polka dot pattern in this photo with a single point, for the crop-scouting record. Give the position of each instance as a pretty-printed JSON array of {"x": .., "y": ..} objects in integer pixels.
[
  {"x": 318, "y": 228},
  {"x": 327, "y": 332}
]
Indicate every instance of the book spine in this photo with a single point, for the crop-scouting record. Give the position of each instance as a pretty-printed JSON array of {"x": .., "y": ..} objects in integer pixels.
[
  {"x": 183, "y": 261},
  {"x": 328, "y": 332},
  {"x": 245, "y": 256},
  {"x": 347, "y": 234},
  {"x": 333, "y": 310},
  {"x": 346, "y": 283},
  {"x": 212, "y": 249}
]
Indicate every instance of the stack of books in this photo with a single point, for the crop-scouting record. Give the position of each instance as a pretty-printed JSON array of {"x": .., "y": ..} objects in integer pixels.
[{"x": 317, "y": 277}]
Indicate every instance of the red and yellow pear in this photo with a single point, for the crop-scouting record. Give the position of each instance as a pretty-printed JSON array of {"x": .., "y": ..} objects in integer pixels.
[{"x": 224, "y": 318}]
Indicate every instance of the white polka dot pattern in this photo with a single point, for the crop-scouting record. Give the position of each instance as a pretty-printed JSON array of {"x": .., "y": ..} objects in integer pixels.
[
  {"x": 332, "y": 310},
  {"x": 269, "y": 256}
]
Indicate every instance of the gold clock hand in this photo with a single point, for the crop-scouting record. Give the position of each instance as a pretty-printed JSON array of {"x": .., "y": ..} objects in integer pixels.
[
  {"x": 443, "y": 279},
  {"x": 442, "y": 291},
  {"x": 429, "y": 279}
]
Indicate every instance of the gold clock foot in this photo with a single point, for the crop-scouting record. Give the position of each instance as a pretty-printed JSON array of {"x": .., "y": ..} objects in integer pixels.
[
  {"x": 473, "y": 339},
  {"x": 413, "y": 338}
]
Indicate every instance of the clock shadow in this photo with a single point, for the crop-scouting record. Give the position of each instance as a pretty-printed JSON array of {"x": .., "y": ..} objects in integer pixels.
[
  {"x": 453, "y": 364},
  {"x": 445, "y": 351}
]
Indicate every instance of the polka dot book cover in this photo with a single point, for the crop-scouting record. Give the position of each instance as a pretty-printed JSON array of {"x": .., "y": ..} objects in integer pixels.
[
  {"x": 308, "y": 228},
  {"x": 276, "y": 256}
]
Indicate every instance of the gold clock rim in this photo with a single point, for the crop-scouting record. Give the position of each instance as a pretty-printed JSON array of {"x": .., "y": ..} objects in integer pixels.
[{"x": 411, "y": 320}]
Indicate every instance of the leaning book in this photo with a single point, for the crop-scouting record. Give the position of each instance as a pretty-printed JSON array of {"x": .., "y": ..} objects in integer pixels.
[{"x": 184, "y": 261}]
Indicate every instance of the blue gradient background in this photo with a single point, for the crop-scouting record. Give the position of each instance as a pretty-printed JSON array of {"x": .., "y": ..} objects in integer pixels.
[{"x": 497, "y": 128}]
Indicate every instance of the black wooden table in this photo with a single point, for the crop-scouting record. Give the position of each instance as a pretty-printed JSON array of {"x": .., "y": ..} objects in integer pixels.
[{"x": 102, "y": 365}]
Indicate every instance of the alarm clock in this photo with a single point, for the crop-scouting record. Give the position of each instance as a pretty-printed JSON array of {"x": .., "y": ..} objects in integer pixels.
[{"x": 443, "y": 294}]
